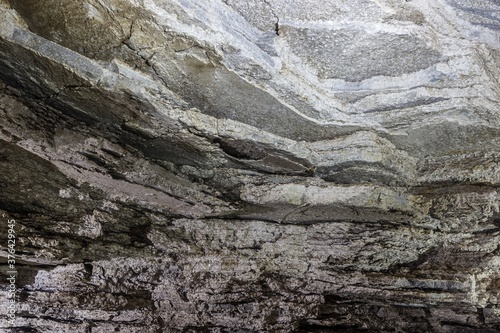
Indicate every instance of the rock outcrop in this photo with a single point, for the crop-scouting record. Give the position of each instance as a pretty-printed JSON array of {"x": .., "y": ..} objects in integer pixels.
[{"x": 251, "y": 166}]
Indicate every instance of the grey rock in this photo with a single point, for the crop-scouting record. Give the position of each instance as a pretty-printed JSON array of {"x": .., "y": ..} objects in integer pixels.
[{"x": 251, "y": 166}]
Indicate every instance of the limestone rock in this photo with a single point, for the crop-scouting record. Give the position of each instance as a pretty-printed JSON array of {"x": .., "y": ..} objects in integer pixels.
[{"x": 251, "y": 166}]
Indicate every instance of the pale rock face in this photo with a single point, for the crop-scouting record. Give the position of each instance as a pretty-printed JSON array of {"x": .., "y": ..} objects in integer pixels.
[{"x": 251, "y": 166}]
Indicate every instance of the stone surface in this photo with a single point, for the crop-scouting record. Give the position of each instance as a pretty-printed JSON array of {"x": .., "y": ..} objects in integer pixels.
[{"x": 251, "y": 166}]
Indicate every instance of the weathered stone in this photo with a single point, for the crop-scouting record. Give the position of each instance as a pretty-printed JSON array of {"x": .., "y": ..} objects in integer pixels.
[{"x": 251, "y": 166}]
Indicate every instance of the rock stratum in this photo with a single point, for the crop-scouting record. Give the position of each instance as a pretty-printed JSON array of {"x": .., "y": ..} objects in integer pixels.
[{"x": 251, "y": 165}]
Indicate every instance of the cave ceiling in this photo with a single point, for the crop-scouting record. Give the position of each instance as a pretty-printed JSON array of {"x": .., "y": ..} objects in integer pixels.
[{"x": 250, "y": 166}]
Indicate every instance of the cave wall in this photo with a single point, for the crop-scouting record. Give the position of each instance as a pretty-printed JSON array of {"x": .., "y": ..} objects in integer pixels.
[{"x": 251, "y": 166}]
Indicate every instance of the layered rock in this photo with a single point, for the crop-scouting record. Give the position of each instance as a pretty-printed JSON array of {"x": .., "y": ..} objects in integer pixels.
[{"x": 251, "y": 166}]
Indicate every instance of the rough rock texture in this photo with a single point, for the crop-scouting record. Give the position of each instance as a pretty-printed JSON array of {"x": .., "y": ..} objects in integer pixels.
[{"x": 251, "y": 165}]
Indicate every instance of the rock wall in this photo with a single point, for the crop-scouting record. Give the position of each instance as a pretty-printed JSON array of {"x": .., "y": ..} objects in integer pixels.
[{"x": 251, "y": 166}]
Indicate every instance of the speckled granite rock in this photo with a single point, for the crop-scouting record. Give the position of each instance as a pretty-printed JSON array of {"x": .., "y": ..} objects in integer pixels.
[{"x": 251, "y": 166}]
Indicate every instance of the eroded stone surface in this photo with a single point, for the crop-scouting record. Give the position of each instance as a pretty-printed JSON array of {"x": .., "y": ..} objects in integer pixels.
[{"x": 251, "y": 166}]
